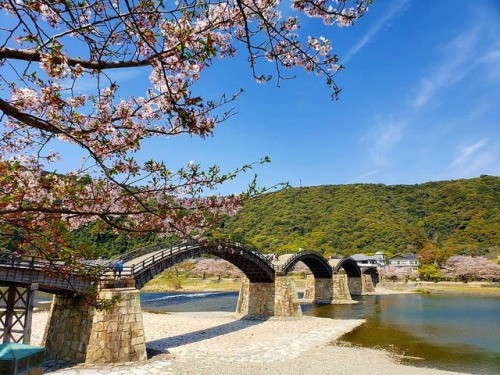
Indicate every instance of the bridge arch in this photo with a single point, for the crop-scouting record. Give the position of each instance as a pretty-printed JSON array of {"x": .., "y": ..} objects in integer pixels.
[
  {"x": 254, "y": 265},
  {"x": 350, "y": 267},
  {"x": 373, "y": 272},
  {"x": 315, "y": 261}
]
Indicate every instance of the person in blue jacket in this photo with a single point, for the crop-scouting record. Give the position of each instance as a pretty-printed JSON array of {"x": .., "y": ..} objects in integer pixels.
[{"x": 119, "y": 267}]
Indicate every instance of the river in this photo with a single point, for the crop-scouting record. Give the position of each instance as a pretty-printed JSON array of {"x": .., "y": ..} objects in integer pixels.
[{"x": 449, "y": 332}]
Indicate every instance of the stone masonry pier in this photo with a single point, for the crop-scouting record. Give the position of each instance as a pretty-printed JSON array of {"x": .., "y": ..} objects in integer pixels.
[
  {"x": 337, "y": 290},
  {"x": 269, "y": 299},
  {"x": 318, "y": 290},
  {"x": 81, "y": 333},
  {"x": 341, "y": 293},
  {"x": 355, "y": 286},
  {"x": 367, "y": 285},
  {"x": 361, "y": 286}
]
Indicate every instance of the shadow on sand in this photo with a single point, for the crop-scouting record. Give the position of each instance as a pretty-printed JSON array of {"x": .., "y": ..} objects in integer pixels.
[{"x": 204, "y": 334}]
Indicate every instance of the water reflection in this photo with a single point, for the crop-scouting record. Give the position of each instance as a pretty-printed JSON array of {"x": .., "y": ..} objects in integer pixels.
[
  {"x": 450, "y": 332},
  {"x": 454, "y": 333}
]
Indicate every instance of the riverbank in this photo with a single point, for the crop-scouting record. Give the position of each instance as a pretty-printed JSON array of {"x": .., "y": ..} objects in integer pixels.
[
  {"x": 208, "y": 284},
  {"x": 216, "y": 284},
  {"x": 220, "y": 343},
  {"x": 442, "y": 287},
  {"x": 193, "y": 284}
]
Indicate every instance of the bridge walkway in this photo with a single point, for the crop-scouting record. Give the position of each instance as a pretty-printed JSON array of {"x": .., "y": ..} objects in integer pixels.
[{"x": 281, "y": 260}]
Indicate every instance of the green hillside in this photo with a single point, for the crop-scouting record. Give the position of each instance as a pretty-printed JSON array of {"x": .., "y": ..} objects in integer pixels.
[
  {"x": 435, "y": 219},
  {"x": 454, "y": 217}
]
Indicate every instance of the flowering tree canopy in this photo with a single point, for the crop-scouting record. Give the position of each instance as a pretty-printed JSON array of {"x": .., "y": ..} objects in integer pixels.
[
  {"x": 397, "y": 273},
  {"x": 466, "y": 268},
  {"x": 50, "y": 50}
]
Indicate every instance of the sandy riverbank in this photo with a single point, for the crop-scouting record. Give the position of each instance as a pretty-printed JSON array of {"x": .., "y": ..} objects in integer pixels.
[{"x": 219, "y": 343}]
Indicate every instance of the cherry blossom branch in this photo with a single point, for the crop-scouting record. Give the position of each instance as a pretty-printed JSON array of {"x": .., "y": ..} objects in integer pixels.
[
  {"x": 27, "y": 119},
  {"x": 48, "y": 48},
  {"x": 33, "y": 55}
]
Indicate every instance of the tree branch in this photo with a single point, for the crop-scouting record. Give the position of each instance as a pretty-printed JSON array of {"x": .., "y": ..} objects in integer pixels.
[
  {"x": 32, "y": 55},
  {"x": 28, "y": 119}
]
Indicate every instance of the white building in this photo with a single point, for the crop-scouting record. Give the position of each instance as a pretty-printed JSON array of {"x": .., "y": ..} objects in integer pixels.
[
  {"x": 400, "y": 260},
  {"x": 376, "y": 260}
]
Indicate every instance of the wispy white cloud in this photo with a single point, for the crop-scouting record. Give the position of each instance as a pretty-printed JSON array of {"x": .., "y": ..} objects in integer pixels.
[
  {"x": 382, "y": 140},
  {"x": 466, "y": 152},
  {"x": 363, "y": 176},
  {"x": 398, "y": 7},
  {"x": 474, "y": 159},
  {"x": 491, "y": 61},
  {"x": 451, "y": 69},
  {"x": 476, "y": 50}
]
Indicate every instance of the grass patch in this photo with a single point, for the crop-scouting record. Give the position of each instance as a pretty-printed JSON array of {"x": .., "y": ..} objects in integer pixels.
[
  {"x": 461, "y": 289},
  {"x": 172, "y": 283},
  {"x": 456, "y": 288},
  {"x": 192, "y": 284}
]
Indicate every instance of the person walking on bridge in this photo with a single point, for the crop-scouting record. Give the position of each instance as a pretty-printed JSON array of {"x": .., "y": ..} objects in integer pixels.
[
  {"x": 113, "y": 267},
  {"x": 119, "y": 267}
]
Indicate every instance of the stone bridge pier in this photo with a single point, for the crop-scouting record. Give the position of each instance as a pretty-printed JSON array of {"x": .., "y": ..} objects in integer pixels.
[
  {"x": 318, "y": 290},
  {"x": 355, "y": 286},
  {"x": 361, "y": 285},
  {"x": 269, "y": 299},
  {"x": 81, "y": 333},
  {"x": 341, "y": 293},
  {"x": 367, "y": 286},
  {"x": 337, "y": 290}
]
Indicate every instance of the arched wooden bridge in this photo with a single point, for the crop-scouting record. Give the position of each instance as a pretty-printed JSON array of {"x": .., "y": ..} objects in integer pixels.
[
  {"x": 316, "y": 262},
  {"x": 145, "y": 263},
  {"x": 265, "y": 291}
]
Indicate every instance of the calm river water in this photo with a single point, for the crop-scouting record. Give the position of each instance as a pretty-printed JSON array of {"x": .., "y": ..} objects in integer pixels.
[{"x": 455, "y": 333}]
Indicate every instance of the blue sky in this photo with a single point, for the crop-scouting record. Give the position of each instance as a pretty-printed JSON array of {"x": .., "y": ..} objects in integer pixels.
[{"x": 420, "y": 102}]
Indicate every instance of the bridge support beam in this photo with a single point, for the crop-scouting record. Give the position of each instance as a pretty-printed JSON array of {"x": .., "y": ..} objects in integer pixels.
[
  {"x": 367, "y": 287},
  {"x": 16, "y": 311},
  {"x": 341, "y": 294},
  {"x": 81, "y": 333},
  {"x": 269, "y": 299},
  {"x": 318, "y": 290}
]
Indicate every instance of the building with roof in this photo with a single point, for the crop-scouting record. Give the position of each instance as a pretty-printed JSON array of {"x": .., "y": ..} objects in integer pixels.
[
  {"x": 405, "y": 260},
  {"x": 376, "y": 260}
]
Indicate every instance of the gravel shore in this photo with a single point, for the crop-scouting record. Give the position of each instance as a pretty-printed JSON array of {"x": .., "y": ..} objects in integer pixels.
[{"x": 219, "y": 343}]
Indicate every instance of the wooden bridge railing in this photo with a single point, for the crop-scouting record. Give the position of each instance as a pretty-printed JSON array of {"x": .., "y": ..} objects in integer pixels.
[
  {"x": 284, "y": 266},
  {"x": 162, "y": 254},
  {"x": 159, "y": 255},
  {"x": 103, "y": 268}
]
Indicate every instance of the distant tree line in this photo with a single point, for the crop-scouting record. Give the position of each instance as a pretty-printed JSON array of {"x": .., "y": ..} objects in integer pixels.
[
  {"x": 436, "y": 220},
  {"x": 455, "y": 268}
]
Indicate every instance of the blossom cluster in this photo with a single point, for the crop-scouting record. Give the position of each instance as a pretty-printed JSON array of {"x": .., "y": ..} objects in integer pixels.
[
  {"x": 466, "y": 268},
  {"x": 54, "y": 48},
  {"x": 396, "y": 273}
]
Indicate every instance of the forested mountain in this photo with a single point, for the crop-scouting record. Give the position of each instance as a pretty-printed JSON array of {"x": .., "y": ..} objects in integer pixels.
[{"x": 435, "y": 219}]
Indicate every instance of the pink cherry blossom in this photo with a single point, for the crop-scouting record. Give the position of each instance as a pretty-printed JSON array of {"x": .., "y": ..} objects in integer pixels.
[{"x": 49, "y": 49}]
